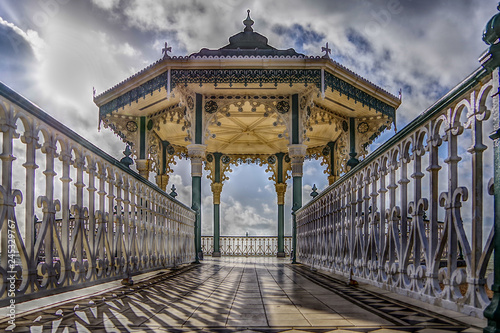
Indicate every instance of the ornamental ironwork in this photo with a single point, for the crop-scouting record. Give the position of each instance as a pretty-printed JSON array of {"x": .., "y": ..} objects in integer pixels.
[
  {"x": 131, "y": 126},
  {"x": 283, "y": 107},
  {"x": 190, "y": 102},
  {"x": 211, "y": 107},
  {"x": 271, "y": 159},
  {"x": 345, "y": 126},
  {"x": 246, "y": 76},
  {"x": 363, "y": 127},
  {"x": 326, "y": 151},
  {"x": 344, "y": 88},
  {"x": 225, "y": 159}
]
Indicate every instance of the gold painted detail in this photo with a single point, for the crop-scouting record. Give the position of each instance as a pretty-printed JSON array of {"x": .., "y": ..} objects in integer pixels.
[
  {"x": 281, "y": 190},
  {"x": 162, "y": 181},
  {"x": 216, "y": 190},
  {"x": 143, "y": 167},
  {"x": 273, "y": 168}
]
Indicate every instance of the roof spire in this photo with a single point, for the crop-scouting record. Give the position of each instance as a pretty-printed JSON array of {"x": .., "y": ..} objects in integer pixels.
[{"x": 248, "y": 22}]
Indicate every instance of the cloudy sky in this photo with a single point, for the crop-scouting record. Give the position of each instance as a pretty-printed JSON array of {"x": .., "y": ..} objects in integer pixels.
[{"x": 55, "y": 51}]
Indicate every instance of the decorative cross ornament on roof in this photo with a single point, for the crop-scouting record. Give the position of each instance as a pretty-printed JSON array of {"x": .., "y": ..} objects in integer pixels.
[
  {"x": 165, "y": 50},
  {"x": 327, "y": 51}
]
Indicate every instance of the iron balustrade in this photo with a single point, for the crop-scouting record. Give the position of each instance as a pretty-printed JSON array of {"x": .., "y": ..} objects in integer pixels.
[
  {"x": 248, "y": 246},
  {"x": 98, "y": 221},
  {"x": 411, "y": 217}
]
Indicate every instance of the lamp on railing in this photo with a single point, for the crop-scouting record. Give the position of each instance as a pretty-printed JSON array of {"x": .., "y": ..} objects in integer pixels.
[
  {"x": 314, "y": 194},
  {"x": 173, "y": 194},
  {"x": 127, "y": 161}
]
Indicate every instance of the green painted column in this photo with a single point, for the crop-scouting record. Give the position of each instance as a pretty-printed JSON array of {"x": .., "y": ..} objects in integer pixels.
[
  {"x": 196, "y": 206},
  {"x": 216, "y": 252},
  {"x": 297, "y": 203},
  {"x": 297, "y": 152},
  {"x": 280, "y": 191},
  {"x": 196, "y": 153},
  {"x": 216, "y": 190},
  {"x": 353, "y": 161},
  {"x": 332, "y": 177},
  {"x": 142, "y": 163}
]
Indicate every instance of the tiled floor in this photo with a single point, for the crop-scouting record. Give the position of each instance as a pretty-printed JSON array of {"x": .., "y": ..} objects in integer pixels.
[{"x": 239, "y": 294}]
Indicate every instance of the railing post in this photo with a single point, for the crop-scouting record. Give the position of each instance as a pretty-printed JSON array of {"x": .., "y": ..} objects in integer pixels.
[
  {"x": 492, "y": 312},
  {"x": 491, "y": 61}
]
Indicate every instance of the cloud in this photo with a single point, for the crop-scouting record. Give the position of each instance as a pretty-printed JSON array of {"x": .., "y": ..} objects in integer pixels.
[
  {"x": 239, "y": 218},
  {"x": 106, "y": 4},
  {"x": 16, "y": 41}
]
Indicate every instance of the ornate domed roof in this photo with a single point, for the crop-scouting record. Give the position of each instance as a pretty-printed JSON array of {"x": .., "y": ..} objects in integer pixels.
[{"x": 248, "y": 43}]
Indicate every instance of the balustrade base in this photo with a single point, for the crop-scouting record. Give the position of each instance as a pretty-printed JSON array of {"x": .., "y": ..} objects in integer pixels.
[
  {"x": 216, "y": 254},
  {"x": 281, "y": 255}
]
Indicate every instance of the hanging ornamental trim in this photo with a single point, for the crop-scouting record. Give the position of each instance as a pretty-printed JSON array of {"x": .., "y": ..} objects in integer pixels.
[
  {"x": 344, "y": 88},
  {"x": 246, "y": 76}
]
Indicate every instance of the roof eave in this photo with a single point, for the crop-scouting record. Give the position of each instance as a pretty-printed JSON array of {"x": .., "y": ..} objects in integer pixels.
[{"x": 246, "y": 62}]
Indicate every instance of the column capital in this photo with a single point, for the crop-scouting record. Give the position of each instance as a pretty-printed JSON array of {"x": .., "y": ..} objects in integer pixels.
[
  {"x": 297, "y": 152},
  {"x": 281, "y": 190},
  {"x": 216, "y": 190},
  {"x": 196, "y": 150},
  {"x": 196, "y": 153}
]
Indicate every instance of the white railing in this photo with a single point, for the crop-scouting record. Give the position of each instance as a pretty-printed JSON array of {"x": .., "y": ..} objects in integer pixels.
[
  {"x": 97, "y": 221},
  {"x": 415, "y": 216},
  {"x": 251, "y": 246}
]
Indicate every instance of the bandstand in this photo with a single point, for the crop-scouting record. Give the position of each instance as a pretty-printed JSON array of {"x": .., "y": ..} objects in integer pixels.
[{"x": 246, "y": 102}]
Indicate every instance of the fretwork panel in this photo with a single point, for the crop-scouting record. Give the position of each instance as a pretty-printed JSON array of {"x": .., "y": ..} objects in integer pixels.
[
  {"x": 75, "y": 215},
  {"x": 414, "y": 218}
]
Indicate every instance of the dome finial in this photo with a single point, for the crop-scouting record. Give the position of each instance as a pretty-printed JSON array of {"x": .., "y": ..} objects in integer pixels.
[{"x": 248, "y": 22}]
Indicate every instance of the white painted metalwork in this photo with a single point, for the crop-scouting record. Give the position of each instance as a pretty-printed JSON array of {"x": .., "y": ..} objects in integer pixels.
[
  {"x": 96, "y": 221},
  {"x": 409, "y": 218},
  {"x": 251, "y": 246}
]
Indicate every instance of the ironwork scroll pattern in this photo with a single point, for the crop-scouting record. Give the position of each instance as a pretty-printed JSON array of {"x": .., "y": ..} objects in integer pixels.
[
  {"x": 99, "y": 221},
  {"x": 252, "y": 246},
  {"x": 389, "y": 224}
]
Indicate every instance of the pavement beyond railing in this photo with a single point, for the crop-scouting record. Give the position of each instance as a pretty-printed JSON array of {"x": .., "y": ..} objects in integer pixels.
[
  {"x": 248, "y": 246},
  {"x": 415, "y": 216},
  {"x": 98, "y": 221}
]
